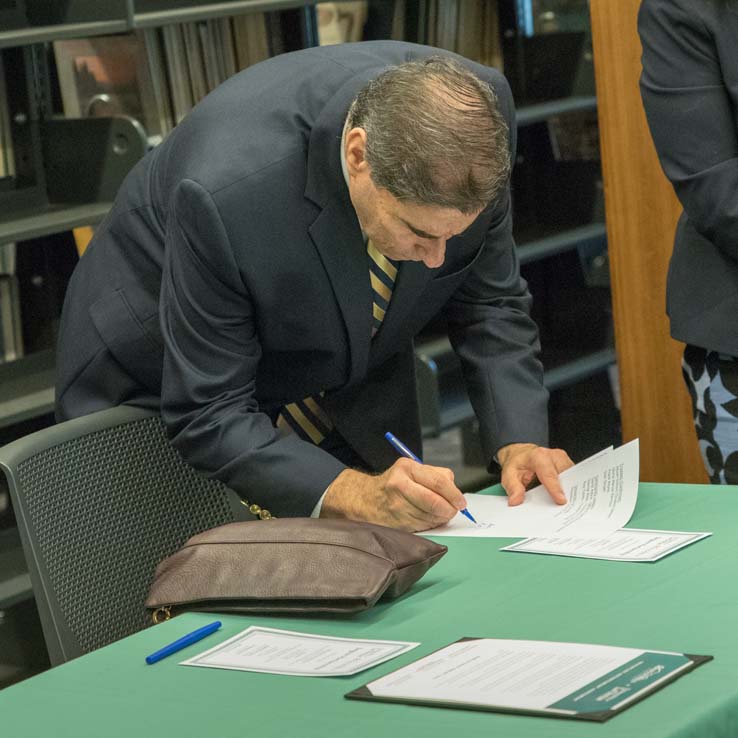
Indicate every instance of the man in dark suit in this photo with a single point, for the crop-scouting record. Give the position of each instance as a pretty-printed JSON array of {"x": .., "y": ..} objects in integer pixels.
[{"x": 263, "y": 271}]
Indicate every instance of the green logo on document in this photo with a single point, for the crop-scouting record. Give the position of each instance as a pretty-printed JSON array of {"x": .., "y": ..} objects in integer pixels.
[{"x": 622, "y": 683}]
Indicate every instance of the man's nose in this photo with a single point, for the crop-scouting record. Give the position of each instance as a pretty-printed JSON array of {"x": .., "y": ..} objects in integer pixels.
[{"x": 434, "y": 253}]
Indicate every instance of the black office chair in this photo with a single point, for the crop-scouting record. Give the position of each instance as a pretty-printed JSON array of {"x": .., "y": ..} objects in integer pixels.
[{"x": 99, "y": 501}]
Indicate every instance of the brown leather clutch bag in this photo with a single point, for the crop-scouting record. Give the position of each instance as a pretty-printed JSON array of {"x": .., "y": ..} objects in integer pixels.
[{"x": 290, "y": 565}]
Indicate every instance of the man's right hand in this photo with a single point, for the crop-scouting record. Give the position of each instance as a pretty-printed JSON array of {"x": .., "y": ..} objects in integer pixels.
[{"x": 409, "y": 496}]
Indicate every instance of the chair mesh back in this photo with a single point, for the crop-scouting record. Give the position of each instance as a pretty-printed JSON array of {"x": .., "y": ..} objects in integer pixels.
[{"x": 104, "y": 510}]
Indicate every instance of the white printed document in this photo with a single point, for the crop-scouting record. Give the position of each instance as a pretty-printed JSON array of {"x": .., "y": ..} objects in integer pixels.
[
  {"x": 575, "y": 680},
  {"x": 601, "y": 493},
  {"x": 627, "y": 544},
  {"x": 274, "y": 651}
]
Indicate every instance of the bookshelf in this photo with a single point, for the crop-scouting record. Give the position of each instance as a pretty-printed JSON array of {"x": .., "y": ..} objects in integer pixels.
[
  {"x": 70, "y": 169},
  {"x": 78, "y": 18}
]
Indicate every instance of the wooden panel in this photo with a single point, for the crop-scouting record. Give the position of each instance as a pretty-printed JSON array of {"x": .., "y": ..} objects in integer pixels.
[{"x": 642, "y": 212}]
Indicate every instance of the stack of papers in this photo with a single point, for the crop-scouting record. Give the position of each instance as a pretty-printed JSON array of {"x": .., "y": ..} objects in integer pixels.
[
  {"x": 601, "y": 491},
  {"x": 572, "y": 680}
]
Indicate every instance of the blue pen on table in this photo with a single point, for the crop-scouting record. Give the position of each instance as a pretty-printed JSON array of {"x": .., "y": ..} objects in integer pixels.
[
  {"x": 183, "y": 642},
  {"x": 401, "y": 448}
]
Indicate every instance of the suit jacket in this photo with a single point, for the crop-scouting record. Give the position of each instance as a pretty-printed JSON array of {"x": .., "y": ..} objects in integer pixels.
[
  {"x": 231, "y": 278},
  {"x": 689, "y": 87}
]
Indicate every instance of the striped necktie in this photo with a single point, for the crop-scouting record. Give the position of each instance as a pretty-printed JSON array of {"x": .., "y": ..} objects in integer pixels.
[
  {"x": 382, "y": 273},
  {"x": 306, "y": 417}
]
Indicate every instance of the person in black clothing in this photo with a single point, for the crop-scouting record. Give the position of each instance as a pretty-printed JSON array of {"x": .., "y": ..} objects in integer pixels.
[{"x": 689, "y": 87}]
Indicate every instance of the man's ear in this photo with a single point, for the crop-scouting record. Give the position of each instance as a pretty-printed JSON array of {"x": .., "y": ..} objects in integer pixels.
[{"x": 355, "y": 151}]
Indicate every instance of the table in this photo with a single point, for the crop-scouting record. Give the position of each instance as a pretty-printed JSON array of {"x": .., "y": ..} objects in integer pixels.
[{"x": 686, "y": 602}]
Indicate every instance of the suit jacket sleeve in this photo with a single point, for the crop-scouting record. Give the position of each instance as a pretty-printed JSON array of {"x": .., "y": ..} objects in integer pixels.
[
  {"x": 690, "y": 114},
  {"x": 494, "y": 336},
  {"x": 210, "y": 359}
]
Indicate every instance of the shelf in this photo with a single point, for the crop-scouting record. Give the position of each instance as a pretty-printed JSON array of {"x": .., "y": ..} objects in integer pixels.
[
  {"x": 26, "y": 388},
  {"x": 539, "y": 112},
  {"x": 15, "y": 582},
  {"x": 542, "y": 248},
  {"x": 452, "y": 404},
  {"x": 160, "y": 13},
  {"x": 40, "y": 34},
  {"x": 46, "y": 219},
  {"x": 578, "y": 369},
  {"x": 165, "y": 14}
]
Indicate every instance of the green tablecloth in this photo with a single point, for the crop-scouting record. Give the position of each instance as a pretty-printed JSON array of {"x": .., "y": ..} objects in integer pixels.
[{"x": 687, "y": 602}]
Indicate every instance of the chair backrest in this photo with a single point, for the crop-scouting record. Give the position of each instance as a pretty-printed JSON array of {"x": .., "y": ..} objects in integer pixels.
[{"x": 99, "y": 501}]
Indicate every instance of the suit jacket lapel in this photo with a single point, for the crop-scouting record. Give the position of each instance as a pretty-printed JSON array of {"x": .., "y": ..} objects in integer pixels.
[
  {"x": 336, "y": 232},
  {"x": 337, "y": 238}
]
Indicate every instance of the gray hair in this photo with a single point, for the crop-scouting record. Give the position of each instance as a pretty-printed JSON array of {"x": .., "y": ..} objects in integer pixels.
[{"x": 434, "y": 134}]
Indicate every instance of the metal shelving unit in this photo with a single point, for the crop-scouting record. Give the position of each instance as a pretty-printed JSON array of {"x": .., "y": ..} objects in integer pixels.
[
  {"x": 529, "y": 114},
  {"x": 147, "y": 13},
  {"x": 445, "y": 405},
  {"x": 26, "y": 388},
  {"x": 84, "y": 18},
  {"x": 15, "y": 583},
  {"x": 47, "y": 202},
  {"x": 41, "y": 34},
  {"x": 49, "y": 218},
  {"x": 558, "y": 243}
]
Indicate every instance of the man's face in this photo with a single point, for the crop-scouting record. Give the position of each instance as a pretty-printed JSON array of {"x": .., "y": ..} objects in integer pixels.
[{"x": 400, "y": 230}]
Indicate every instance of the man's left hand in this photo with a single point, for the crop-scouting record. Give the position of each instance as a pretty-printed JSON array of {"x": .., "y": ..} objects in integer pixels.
[{"x": 523, "y": 462}]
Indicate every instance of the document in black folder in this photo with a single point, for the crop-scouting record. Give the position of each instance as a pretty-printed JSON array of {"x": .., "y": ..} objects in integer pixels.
[{"x": 565, "y": 680}]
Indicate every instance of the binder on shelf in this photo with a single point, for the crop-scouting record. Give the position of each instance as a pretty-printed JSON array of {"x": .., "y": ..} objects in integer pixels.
[
  {"x": 151, "y": 42},
  {"x": 251, "y": 39},
  {"x": 225, "y": 44},
  {"x": 195, "y": 61},
  {"x": 176, "y": 66},
  {"x": 213, "y": 73}
]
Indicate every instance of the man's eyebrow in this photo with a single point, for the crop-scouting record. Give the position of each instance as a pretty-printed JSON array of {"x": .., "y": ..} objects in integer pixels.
[{"x": 418, "y": 231}]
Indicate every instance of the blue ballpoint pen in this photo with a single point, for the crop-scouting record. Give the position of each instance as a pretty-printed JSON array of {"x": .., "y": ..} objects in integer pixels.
[
  {"x": 401, "y": 448},
  {"x": 183, "y": 642}
]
